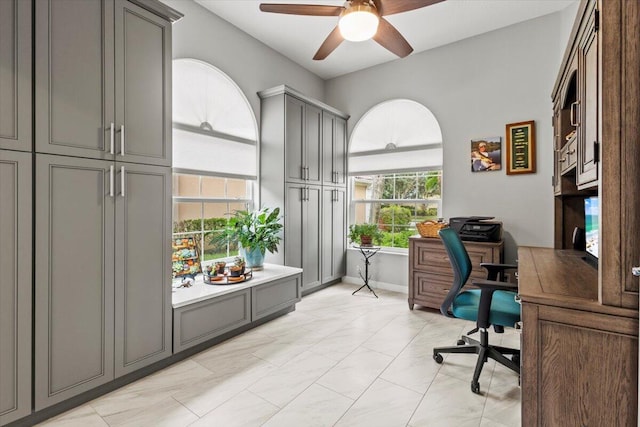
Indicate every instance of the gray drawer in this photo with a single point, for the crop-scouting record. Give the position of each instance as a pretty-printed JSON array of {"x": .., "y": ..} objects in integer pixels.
[
  {"x": 275, "y": 296},
  {"x": 199, "y": 322}
]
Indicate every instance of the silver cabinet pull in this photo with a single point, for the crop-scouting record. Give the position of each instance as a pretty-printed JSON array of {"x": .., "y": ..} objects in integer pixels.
[
  {"x": 302, "y": 172},
  {"x": 122, "y": 139},
  {"x": 111, "y": 181},
  {"x": 572, "y": 114},
  {"x": 122, "y": 181},
  {"x": 635, "y": 271},
  {"x": 112, "y": 130},
  {"x": 306, "y": 176}
]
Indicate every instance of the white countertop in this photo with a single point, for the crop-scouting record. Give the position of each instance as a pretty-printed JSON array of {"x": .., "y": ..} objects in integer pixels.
[{"x": 200, "y": 291}]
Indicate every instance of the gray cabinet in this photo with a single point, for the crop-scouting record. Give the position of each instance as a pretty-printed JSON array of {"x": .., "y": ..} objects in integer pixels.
[
  {"x": 302, "y": 141},
  {"x": 302, "y": 232},
  {"x": 334, "y": 149},
  {"x": 15, "y": 284},
  {"x": 269, "y": 298},
  {"x": 74, "y": 277},
  {"x": 334, "y": 240},
  {"x": 103, "y": 295},
  {"x": 15, "y": 75},
  {"x": 303, "y": 144},
  {"x": 102, "y": 81},
  {"x": 142, "y": 266},
  {"x": 205, "y": 320}
]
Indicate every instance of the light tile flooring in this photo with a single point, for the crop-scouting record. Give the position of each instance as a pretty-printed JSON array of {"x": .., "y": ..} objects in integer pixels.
[{"x": 338, "y": 360}]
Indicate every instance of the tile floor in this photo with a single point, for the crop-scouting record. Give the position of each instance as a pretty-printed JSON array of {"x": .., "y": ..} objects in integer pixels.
[{"x": 338, "y": 360}]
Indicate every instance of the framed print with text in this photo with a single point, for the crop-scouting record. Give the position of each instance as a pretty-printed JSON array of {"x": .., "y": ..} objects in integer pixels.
[{"x": 521, "y": 148}]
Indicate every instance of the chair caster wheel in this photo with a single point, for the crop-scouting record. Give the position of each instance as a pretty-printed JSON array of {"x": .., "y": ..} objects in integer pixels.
[
  {"x": 461, "y": 342},
  {"x": 475, "y": 387},
  {"x": 437, "y": 357}
]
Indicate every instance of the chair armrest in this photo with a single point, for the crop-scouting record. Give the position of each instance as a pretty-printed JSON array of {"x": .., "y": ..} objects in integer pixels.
[
  {"x": 495, "y": 286},
  {"x": 487, "y": 288},
  {"x": 494, "y": 269}
]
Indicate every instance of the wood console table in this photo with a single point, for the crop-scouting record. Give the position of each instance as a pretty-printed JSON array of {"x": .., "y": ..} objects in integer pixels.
[
  {"x": 579, "y": 357},
  {"x": 430, "y": 272}
]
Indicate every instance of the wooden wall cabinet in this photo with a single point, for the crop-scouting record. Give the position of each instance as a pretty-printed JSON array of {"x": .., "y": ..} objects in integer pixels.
[
  {"x": 430, "y": 272},
  {"x": 579, "y": 357}
]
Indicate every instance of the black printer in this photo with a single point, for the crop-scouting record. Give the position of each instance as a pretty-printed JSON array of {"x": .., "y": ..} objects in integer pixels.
[{"x": 477, "y": 228}]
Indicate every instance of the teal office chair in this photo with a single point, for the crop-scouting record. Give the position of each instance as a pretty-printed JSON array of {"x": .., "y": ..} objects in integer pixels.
[{"x": 493, "y": 304}]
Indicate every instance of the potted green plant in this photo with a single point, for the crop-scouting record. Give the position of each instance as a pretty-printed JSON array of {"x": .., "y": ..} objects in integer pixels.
[
  {"x": 237, "y": 269},
  {"x": 255, "y": 233},
  {"x": 364, "y": 234}
]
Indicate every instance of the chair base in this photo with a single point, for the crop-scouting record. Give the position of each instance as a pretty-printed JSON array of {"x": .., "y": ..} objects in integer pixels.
[{"x": 484, "y": 351}]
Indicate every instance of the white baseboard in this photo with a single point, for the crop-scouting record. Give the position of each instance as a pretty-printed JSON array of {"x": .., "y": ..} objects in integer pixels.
[{"x": 377, "y": 285}]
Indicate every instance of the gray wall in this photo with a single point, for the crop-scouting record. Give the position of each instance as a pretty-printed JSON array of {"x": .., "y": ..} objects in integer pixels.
[
  {"x": 251, "y": 64},
  {"x": 474, "y": 87}
]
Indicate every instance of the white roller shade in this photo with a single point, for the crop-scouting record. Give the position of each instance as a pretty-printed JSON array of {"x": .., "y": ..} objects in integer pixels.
[
  {"x": 212, "y": 155},
  {"x": 215, "y": 130},
  {"x": 390, "y": 161},
  {"x": 395, "y": 136}
]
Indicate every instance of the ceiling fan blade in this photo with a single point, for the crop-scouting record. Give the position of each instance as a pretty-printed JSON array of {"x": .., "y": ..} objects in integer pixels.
[
  {"x": 332, "y": 41},
  {"x": 391, "y": 39},
  {"x": 302, "y": 9},
  {"x": 390, "y": 7}
]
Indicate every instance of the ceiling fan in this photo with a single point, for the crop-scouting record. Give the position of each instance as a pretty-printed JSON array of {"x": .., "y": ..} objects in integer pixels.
[{"x": 359, "y": 20}]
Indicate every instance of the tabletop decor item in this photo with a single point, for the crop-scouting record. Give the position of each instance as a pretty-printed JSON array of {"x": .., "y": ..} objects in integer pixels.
[
  {"x": 255, "y": 232},
  {"x": 364, "y": 234},
  {"x": 430, "y": 228}
]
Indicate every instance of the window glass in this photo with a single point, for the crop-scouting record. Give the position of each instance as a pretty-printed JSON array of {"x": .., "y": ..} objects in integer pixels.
[
  {"x": 213, "y": 186},
  {"x": 396, "y": 202}
]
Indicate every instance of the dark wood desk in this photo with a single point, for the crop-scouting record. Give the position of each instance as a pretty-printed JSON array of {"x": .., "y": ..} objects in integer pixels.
[{"x": 579, "y": 357}]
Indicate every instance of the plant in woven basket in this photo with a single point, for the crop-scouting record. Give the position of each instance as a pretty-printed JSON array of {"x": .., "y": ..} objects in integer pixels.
[{"x": 364, "y": 234}]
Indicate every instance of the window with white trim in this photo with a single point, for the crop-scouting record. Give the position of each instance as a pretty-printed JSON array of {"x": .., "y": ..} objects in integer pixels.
[
  {"x": 215, "y": 140},
  {"x": 395, "y": 164}
]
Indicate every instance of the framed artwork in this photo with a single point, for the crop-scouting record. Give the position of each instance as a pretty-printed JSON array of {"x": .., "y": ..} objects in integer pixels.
[
  {"x": 486, "y": 154},
  {"x": 521, "y": 148}
]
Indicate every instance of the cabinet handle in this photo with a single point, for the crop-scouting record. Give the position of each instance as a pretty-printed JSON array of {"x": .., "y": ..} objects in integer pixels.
[
  {"x": 111, "y": 181},
  {"x": 302, "y": 194},
  {"x": 572, "y": 151},
  {"x": 122, "y": 181},
  {"x": 562, "y": 160},
  {"x": 307, "y": 174},
  {"x": 122, "y": 140},
  {"x": 302, "y": 172},
  {"x": 111, "y": 138},
  {"x": 572, "y": 115}
]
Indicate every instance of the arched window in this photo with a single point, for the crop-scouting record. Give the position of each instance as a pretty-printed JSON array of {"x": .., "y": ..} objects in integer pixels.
[
  {"x": 395, "y": 163},
  {"x": 215, "y": 137}
]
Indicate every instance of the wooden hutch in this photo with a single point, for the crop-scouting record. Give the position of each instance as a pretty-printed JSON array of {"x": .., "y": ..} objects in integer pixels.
[{"x": 580, "y": 325}]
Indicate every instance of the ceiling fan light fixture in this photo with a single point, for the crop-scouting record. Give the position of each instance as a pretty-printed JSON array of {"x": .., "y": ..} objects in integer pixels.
[{"x": 359, "y": 22}]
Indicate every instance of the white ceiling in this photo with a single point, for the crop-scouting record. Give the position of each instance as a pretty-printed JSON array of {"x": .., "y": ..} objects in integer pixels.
[{"x": 299, "y": 37}]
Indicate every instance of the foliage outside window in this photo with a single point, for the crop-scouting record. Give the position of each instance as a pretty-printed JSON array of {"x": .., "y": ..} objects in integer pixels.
[
  {"x": 202, "y": 206},
  {"x": 396, "y": 202}
]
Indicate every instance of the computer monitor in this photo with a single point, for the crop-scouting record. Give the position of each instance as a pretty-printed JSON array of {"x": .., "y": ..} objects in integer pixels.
[{"x": 592, "y": 233}]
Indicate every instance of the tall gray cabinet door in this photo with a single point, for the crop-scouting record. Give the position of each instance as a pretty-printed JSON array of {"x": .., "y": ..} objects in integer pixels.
[
  {"x": 313, "y": 144},
  {"x": 294, "y": 140},
  {"x": 340, "y": 151},
  {"x": 143, "y": 266},
  {"x": 293, "y": 222},
  {"x": 143, "y": 85},
  {"x": 15, "y": 75},
  {"x": 74, "y": 78},
  {"x": 311, "y": 238},
  {"x": 15, "y": 285},
  {"x": 74, "y": 277},
  {"x": 328, "y": 132},
  {"x": 333, "y": 234}
]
